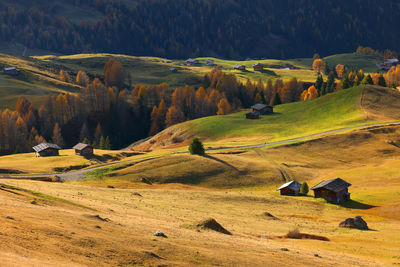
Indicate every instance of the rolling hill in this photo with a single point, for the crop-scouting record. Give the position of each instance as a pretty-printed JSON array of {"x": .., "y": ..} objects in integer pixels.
[
  {"x": 346, "y": 108},
  {"x": 40, "y": 73}
]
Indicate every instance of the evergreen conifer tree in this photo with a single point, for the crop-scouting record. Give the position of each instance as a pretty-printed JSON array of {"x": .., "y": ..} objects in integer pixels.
[
  {"x": 196, "y": 147},
  {"x": 381, "y": 81}
]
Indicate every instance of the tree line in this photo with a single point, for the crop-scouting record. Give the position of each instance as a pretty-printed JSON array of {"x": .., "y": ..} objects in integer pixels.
[
  {"x": 227, "y": 29},
  {"x": 108, "y": 116}
]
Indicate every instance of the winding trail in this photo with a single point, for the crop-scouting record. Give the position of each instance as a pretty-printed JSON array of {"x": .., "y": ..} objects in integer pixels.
[{"x": 79, "y": 174}]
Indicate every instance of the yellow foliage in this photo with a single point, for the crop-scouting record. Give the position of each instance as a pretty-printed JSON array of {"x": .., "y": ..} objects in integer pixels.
[{"x": 318, "y": 65}]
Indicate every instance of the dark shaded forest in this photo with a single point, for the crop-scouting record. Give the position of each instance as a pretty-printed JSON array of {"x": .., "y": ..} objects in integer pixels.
[{"x": 227, "y": 29}]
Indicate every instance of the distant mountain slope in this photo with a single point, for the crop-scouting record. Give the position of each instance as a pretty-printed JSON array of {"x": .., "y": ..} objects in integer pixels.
[
  {"x": 181, "y": 28},
  {"x": 346, "y": 108}
]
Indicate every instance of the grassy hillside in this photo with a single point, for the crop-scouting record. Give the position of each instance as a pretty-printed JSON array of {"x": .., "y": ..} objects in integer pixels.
[
  {"x": 36, "y": 80},
  {"x": 364, "y": 61},
  {"x": 346, "y": 108},
  {"x": 40, "y": 73},
  {"x": 132, "y": 211}
]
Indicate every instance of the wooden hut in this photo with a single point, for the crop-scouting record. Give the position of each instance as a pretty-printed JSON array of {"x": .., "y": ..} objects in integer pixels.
[
  {"x": 333, "y": 190},
  {"x": 192, "y": 61},
  {"x": 13, "y": 71},
  {"x": 83, "y": 149},
  {"x": 252, "y": 115},
  {"x": 258, "y": 67},
  {"x": 46, "y": 149},
  {"x": 209, "y": 62},
  {"x": 263, "y": 109},
  {"x": 239, "y": 67},
  {"x": 174, "y": 70},
  {"x": 291, "y": 188}
]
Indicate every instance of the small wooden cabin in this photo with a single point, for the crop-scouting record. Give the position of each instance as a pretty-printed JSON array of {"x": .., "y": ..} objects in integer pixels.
[
  {"x": 174, "y": 70},
  {"x": 192, "y": 61},
  {"x": 252, "y": 115},
  {"x": 83, "y": 149},
  {"x": 46, "y": 150},
  {"x": 258, "y": 67},
  {"x": 263, "y": 109},
  {"x": 13, "y": 71},
  {"x": 333, "y": 190},
  {"x": 291, "y": 188},
  {"x": 239, "y": 67},
  {"x": 209, "y": 62}
]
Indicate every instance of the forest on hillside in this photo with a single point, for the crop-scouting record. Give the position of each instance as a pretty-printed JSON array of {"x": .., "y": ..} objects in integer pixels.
[
  {"x": 227, "y": 29},
  {"x": 108, "y": 114}
]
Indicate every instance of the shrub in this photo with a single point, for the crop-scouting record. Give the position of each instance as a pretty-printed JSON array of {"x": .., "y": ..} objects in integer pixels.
[
  {"x": 295, "y": 234},
  {"x": 304, "y": 189},
  {"x": 196, "y": 147}
]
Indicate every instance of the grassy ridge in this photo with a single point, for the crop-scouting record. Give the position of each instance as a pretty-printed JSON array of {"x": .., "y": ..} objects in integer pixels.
[{"x": 332, "y": 111}]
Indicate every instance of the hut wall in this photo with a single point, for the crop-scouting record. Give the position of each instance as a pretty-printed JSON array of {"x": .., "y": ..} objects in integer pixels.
[{"x": 288, "y": 192}]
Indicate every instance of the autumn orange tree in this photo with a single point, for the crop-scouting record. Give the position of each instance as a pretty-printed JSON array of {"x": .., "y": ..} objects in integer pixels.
[
  {"x": 82, "y": 78},
  {"x": 114, "y": 73},
  {"x": 340, "y": 69},
  {"x": 310, "y": 93},
  {"x": 224, "y": 107},
  {"x": 318, "y": 65},
  {"x": 64, "y": 76}
]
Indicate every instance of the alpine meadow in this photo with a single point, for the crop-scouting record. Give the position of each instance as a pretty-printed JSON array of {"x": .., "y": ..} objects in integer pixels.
[{"x": 199, "y": 133}]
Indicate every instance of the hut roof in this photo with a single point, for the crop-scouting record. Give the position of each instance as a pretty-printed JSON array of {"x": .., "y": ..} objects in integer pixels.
[
  {"x": 294, "y": 185},
  {"x": 258, "y": 64},
  {"x": 259, "y": 106},
  {"x": 81, "y": 146},
  {"x": 9, "y": 68},
  {"x": 334, "y": 185},
  {"x": 238, "y": 66},
  {"x": 44, "y": 146}
]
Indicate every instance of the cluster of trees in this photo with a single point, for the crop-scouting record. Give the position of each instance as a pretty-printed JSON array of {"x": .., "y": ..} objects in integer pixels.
[
  {"x": 181, "y": 28},
  {"x": 109, "y": 117},
  {"x": 387, "y": 54}
]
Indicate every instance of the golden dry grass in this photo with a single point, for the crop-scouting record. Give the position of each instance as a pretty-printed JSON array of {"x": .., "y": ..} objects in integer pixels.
[
  {"x": 71, "y": 235},
  {"x": 29, "y": 163},
  {"x": 369, "y": 159}
]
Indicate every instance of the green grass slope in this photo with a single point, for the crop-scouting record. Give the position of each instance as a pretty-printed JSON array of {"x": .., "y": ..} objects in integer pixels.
[
  {"x": 333, "y": 111},
  {"x": 364, "y": 61}
]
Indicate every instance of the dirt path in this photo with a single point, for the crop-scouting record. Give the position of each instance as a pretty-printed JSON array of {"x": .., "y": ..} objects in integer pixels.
[
  {"x": 285, "y": 174},
  {"x": 80, "y": 174}
]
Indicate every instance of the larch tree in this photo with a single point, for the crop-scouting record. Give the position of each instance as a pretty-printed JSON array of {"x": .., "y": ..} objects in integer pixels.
[
  {"x": 224, "y": 107},
  {"x": 318, "y": 65},
  {"x": 64, "y": 76},
  {"x": 174, "y": 116},
  {"x": 57, "y": 137},
  {"x": 340, "y": 70},
  {"x": 114, "y": 73},
  {"x": 82, "y": 78},
  {"x": 84, "y": 134}
]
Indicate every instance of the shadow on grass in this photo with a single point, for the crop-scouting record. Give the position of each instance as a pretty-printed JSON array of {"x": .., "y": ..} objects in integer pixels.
[
  {"x": 352, "y": 204},
  {"x": 222, "y": 161}
]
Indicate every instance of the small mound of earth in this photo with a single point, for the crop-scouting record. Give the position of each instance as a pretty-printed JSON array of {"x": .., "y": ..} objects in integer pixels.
[
  {"x": 97, "y": 217},
  {"x": 356, "y": 223},
  {"x": 270, "y": 216},
  {"x": 212, "y": 224}
]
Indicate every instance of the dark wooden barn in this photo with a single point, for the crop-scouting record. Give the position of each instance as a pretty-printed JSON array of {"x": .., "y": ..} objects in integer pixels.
[
  {"x": 83, "y": 149},
  {"x": 263, "y": 109},
  {"x": 291, "y": 188},
  {"x": 46, "y": 149},
  {"x": 13, "y": 71},
  {"x": 253, "y": 115},
  {"x": 333, "y": 190},
  {"x": 239, "y": 67},
  {"x": 258, "y": 67}
]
